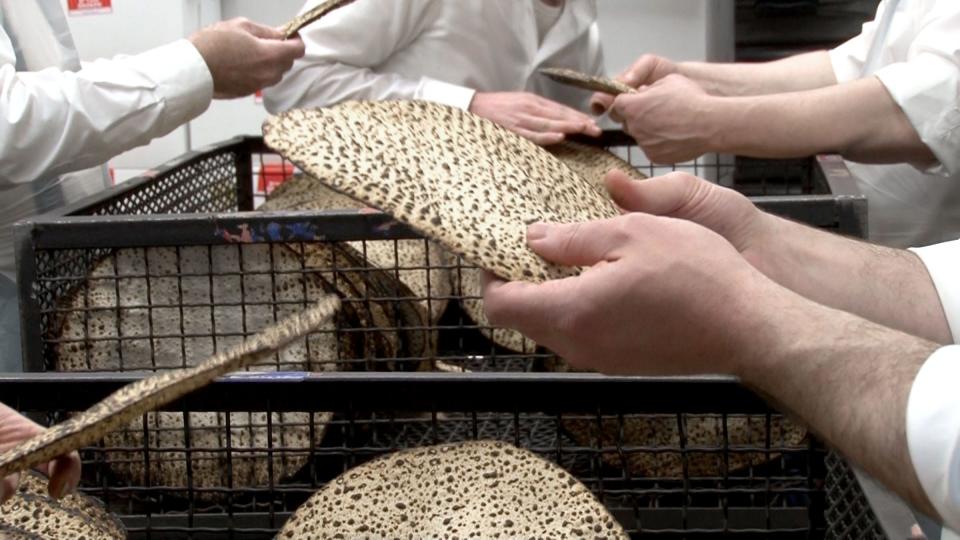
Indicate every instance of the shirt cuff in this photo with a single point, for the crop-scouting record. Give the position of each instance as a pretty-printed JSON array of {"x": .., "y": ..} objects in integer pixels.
[
  {"x": 926, "y": 89},
  {"x": 943, "y": 264},
  {"x": 933, "y": 432},
  {"x": 445, "y": 93},
  {"x": 182, "y": 78}
]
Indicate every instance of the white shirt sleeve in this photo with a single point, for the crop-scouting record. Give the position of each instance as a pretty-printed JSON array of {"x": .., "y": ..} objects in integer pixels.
[
  {"x": 943, "y": 264},
  {"x": 925, "y": 82},
  {"x": 927, "y": 85},
  {"x": 933, "y": 409},
  {"x": 933, "y": 432},
  {"x": 849, "y": 59},
  {"x": 344, "y": 49},
  {"x": 53, "y": 121}
]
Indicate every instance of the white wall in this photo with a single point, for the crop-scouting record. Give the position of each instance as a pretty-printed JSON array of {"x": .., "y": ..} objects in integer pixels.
[
  {"x": 135, "y": 26},
  {"x": 244, "y": 116},
  {"x": 677, "y": 29}
]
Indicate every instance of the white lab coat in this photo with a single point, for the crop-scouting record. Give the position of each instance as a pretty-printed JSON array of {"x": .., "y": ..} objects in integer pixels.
[
  {"x": 919, "y": 63},
  {"x": 438, "y": 50},
  {"x": 56, "y": 119}
]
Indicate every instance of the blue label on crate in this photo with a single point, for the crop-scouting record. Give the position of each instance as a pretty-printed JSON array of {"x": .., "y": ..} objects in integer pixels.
[
  {"x": 295, "y": 376},
  {"x": 246, "y": 233}
]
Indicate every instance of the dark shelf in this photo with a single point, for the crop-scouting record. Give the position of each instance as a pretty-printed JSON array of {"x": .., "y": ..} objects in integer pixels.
[{"x": 772, "y": 29}]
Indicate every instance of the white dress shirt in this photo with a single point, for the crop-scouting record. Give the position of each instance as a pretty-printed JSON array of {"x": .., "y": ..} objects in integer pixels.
[
  {"x": 919, "y": 64},
  {"x": 438, "y": 50},
  {"x": 56, "y": 119},
  {"x": 933, "y": 410}
]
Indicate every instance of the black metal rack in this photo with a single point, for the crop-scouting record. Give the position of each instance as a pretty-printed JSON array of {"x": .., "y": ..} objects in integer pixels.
[
  {"x": 379, "y": 413},
  {"x": 190, "y": 226}
]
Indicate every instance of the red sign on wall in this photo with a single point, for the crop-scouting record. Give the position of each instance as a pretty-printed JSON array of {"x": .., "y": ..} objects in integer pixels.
[{"x": 89, "y": 7}]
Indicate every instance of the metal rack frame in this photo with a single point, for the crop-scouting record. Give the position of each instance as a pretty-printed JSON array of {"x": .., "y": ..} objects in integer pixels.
[{"x": 357, "y": 395}]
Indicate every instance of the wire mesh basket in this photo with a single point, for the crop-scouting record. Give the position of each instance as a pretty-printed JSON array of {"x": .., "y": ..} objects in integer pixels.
[
  {"x": 355, "y": 417},
  {"x": 171, "y": 267}
]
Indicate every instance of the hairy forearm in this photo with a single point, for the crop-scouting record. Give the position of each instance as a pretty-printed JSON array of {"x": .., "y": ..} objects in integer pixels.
[
  {"x": 794, "y": 74},
  {"x": 887, "y": 286},
  {"x": 849, "y": 380},
  {"x": 859, "y": 120}
]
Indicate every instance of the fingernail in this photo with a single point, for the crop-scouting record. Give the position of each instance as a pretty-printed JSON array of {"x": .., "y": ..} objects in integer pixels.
[{"x": 537, "y": 231}]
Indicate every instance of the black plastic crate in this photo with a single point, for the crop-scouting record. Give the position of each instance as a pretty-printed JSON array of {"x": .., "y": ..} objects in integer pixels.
[
  {"x": 373, "y": 414},
  {"x": 203, "y": 201},
  {"x": 143, "y": 275}
]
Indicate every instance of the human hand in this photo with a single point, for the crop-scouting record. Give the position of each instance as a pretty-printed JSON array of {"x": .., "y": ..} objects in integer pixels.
[
  {"x": 672, "y": 120},
  {"x": 683, "y": 196},
  {"x": 647, "y": 70},
  {"x": 63, "y": 472},
  {"x": 244, "y": 56},
  {"x": 541, "y": 120},
  {"x": 661, "y": 296}
]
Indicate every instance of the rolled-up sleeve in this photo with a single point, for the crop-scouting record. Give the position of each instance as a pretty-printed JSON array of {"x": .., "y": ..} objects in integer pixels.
[
  {"x": 926, "y": 89},
  {"x": 848, "y": 59},
  {"x": 933, "y": 409},
  {"x": 921, "y": 71}
]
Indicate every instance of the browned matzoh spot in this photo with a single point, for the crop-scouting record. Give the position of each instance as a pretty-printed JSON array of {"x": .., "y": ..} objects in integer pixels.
[
  {"x": 32, "y": 515},
  {"x": 204, "y": 299},
  {"x": 305, "y": 19},
  {"x": 460, "y": 179},
  {"x": 592, "y": 83},
  {"x": 478, "y": 489}
]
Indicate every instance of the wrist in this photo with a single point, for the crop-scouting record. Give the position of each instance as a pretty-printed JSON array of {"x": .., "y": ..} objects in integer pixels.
[
  {"x": 778, "y": 327},
  {"x": 703, "y": 73},
  {"x": 719, "y": 118},
  {"x": 759, "y": 238}
]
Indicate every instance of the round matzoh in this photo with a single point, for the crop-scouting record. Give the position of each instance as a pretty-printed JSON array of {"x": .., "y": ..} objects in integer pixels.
[
  {"x": 31, "y": 513},
  {"x": 480, "y": 489},
  {"x": 388, "y": 320},
  {"x": 398, "y": 324},
  {"x": 460, "y": 179},
  {"x": 591, "y": 83},
  {"x": 307, "y": 193},
  {"x": 592, "y": 164},
  {"x": 204, "y": 294},
  {"x": 701, "y": 432},
  {"x": 471, "y": 293},
  {"x": 137, "y": 399},
  {"x": 309, "y": 17},
  {"x": 9, "y": 532}
]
